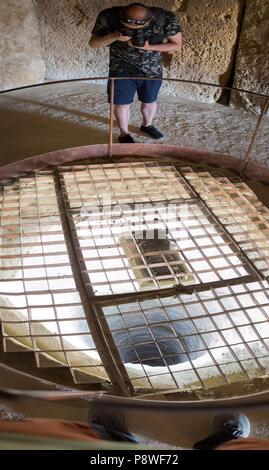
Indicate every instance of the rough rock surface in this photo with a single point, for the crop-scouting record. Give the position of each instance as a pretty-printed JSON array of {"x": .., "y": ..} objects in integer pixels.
[
  {"x": 209, "y": 53},
  {"x": 21, "y": 62},
  {"x": 65, "y": 29},
  {"x": 210, "y": 32},
  {"x": 252, "y": 61},
  {"x": 209, "y": 29}
]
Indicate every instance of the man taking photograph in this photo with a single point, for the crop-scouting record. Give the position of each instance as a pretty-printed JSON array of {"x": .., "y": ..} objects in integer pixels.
[{"x": 135, "y": 35}]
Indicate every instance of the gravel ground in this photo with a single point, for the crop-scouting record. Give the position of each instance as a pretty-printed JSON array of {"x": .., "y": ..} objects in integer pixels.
[{"x": 52, "y": 117}]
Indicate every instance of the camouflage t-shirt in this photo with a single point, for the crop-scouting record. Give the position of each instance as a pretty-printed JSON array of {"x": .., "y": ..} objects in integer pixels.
[{"x": 129, "y": 60}]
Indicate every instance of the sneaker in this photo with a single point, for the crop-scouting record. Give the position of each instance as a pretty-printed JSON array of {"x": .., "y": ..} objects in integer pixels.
[
  {"x": 126, "y": 139},
  {"x": 152, "y": 131},
  {"x": 226, "y": 428},
  {"x": 110, "y": 426}
]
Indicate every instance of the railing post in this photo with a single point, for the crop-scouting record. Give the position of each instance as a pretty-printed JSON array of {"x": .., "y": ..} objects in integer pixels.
[
  {"x": 263, "y": 112},
  {"x": 111, "y": 117}
]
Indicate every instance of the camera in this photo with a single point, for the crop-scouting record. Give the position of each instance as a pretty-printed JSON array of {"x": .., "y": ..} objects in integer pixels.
[{"x": 138, "y": 36}]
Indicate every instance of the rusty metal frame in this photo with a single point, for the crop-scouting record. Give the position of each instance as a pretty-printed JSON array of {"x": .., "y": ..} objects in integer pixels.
[
  {"x": 100, "y": 301},
  {"x": 112, "y": 152},
  {"x": 76, "y": 185},
  {"x": 110, "y": 356}
]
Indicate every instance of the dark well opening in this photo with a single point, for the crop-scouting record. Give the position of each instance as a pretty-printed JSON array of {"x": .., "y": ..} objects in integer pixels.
[{"x": 158, "y": 346}]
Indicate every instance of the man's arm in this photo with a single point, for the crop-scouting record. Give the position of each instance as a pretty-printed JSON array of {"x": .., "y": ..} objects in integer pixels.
[
  {"x": 103, "y": 41},
  {"x": 103, "y": 34},
  {"x": 174, "y": 44}
]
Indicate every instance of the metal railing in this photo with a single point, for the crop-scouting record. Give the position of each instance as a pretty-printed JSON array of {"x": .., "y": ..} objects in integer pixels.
[{"x": 177, "y": 80}]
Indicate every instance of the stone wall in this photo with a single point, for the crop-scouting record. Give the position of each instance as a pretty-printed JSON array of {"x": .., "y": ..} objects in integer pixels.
[
  {"x": 211, "y": 35},
  {"x": 21, "y": 62},
  {"x": 65, "y": 28},
  {"x": 209, "y": 28},
  {"x": 252, "y": 60}
]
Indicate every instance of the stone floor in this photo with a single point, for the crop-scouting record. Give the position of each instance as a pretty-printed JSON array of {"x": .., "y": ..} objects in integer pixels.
[{"x": 43, "y": 119}]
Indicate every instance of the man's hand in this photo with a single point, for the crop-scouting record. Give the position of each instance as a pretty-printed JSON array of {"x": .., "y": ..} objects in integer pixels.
[
  {"x": 103, "y": 41},
  {"x": 173, "y": 44},
  {"x": 120, "y": 37}
]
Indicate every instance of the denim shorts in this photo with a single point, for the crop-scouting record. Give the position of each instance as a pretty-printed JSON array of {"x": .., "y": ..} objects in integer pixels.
[{"x": 124, "y": 90}]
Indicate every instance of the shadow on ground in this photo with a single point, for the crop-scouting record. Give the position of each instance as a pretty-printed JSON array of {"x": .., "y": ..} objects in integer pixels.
[{"x": 29, "y": 134}]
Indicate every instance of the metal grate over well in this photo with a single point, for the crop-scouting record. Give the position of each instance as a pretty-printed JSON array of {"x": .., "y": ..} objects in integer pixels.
[{"x": 144, "y": 275}]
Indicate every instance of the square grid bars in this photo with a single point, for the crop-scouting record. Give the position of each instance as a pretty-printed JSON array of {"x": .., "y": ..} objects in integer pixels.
[
  {"x": 40, "y": 307},
  {"x": 137, "y": 230},
  {"x": 206, "y": 339},
  {"x": 239, "y": 210},
  {"x": 127, "y": 246}
]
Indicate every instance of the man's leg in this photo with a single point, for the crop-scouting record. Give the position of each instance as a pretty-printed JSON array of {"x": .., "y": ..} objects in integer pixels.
[
  {"x": 148, "y": 111},
  {"x": 109, "y": 424},
  {"x": 225, "y": 429},
  {"x": 147, "y": 93},
  {"x": 122, "y": 115},
  {"x": 124, "y": 91}
]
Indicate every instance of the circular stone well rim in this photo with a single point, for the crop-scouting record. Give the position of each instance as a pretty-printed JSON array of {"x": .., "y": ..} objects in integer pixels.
[
  {"x": 186, "y": 155},
  {"x": 119, "y": 151}
]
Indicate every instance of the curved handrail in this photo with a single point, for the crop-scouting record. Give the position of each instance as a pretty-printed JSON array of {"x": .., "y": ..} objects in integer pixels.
[{"x": 180, "y": 80}]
